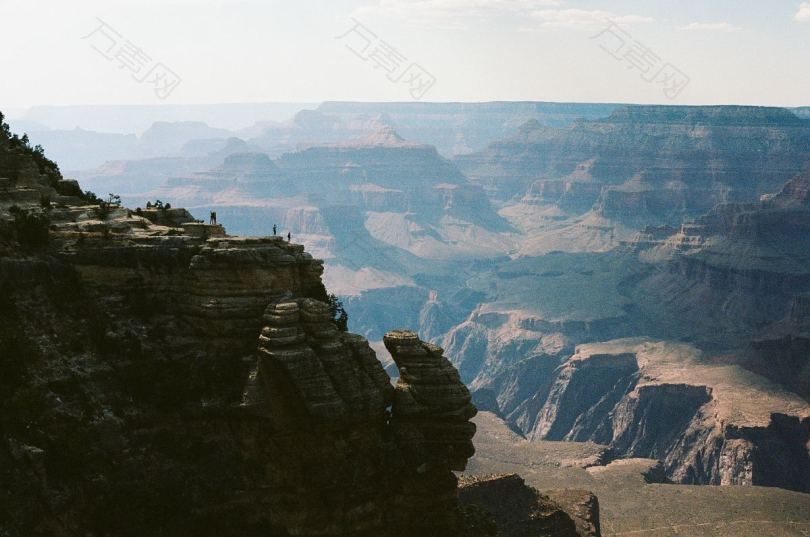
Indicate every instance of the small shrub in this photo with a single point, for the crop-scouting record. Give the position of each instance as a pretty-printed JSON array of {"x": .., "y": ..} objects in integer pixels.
[
  {"x": 106, "y": 206},
  {"x": 30, "y": 227}
]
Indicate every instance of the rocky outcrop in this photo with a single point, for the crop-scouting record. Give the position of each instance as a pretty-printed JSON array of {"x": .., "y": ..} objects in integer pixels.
[
  {"x": 519, "y": 510},
  {"x": 157, "y": 380},
  {"x": 430, "y": 421},
  {"x": 296, "y": 438},
  {"x": 707, "y": 423}
]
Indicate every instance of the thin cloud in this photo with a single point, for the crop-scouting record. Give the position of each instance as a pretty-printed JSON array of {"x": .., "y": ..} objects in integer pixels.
[
  {"x": 584, "y": 19},
  {"x": 803, "y": 15},
  {"x": 710, "y": 27},
  {"x": 449, "y": 13},
  {"x": 456, "y": 8}
]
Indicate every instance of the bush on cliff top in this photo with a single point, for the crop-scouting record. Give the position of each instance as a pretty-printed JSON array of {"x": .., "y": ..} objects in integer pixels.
[
  {"x": 15, "y": 149},
  {"x": 30, "y": 227}
]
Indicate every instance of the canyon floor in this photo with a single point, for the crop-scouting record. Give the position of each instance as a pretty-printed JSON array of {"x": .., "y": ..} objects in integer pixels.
[{"x": 631, "y": 505}]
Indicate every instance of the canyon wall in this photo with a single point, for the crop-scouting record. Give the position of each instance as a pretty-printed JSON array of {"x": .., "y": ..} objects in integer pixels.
[{"x": 708, "y": 423}]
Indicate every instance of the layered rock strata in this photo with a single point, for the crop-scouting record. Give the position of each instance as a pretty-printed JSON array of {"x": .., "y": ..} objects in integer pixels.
[
  {"x": 155, "y": 381},
  {"x": 648, "y": 164},
  {"x": 430, "y": 420},
  {"x": 708, "y": 423}
]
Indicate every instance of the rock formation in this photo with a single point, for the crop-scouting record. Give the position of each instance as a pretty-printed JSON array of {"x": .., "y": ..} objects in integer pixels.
[
  {"x": 708, "y": 423},
  {"x": 652, "y": 162},
  {"x": 160, "y": 377},
  {"x": 430, "y": 421},
  {"x": 745, "y": 266},
  {"x": 520, "y": 511}
]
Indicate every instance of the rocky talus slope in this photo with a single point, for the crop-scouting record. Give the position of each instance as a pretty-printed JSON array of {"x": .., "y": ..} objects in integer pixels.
[{"x": 158, "y": 377}]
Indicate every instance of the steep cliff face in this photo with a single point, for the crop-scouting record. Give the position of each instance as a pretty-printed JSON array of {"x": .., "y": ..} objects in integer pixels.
[
  {"x": 529, "y": 307},
  {"x": 743, "y": 265},
  {"x": 707, "y": 423},
  {"x": 430, "y": 420},
  {"x": 165, "y": 378}
]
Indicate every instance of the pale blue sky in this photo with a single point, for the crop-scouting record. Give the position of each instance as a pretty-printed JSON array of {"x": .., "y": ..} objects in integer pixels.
[{"x": 733, "y": 51}]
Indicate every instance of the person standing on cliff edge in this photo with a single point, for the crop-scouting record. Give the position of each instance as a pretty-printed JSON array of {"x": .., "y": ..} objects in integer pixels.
[
  {"x": 288, "y": 236},
  {"x": 213, "y": 219},
  {"x": 274, "y": 230}
]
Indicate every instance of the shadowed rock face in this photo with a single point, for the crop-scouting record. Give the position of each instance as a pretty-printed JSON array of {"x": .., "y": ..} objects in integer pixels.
[
  {"x": 296, "y": 438},
  {"x": 157, "y": 382},
  {"x": 430, "y": 420},
  {"x": 163, "y": 398},
  {"x": 520, "y": 511}
]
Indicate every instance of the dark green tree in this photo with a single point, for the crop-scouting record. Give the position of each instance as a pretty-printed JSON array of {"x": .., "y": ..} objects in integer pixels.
[
  {"x": 339, "y": 315},
  {"x": 91, "y": 197},
  {"x": 20, "y": 149}
]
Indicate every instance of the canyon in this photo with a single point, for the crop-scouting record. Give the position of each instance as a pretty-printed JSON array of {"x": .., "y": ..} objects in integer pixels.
[
  {"x": 568, "y": 232},
  {"x": 163, "y": 377},
  {"x": 622, "y": 286}
]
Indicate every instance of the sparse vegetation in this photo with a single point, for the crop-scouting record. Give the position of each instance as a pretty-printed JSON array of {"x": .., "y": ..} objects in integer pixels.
[
  {"x": 91, "y": 197},
  {"x": 19, "y": 149},
  {"x": 30, "y": 226},
  {"x": 107, "y": 205}
]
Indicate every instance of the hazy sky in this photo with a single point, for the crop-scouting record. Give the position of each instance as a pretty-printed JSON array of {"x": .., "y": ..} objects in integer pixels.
[{"x": 730, "y": 51}]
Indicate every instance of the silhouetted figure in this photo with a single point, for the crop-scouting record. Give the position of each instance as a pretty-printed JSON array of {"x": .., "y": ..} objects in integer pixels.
[
  {"x": 288, "y": 236},
  {"x": 274, "y": 229},
  {"x": 213, "y": 220}
]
